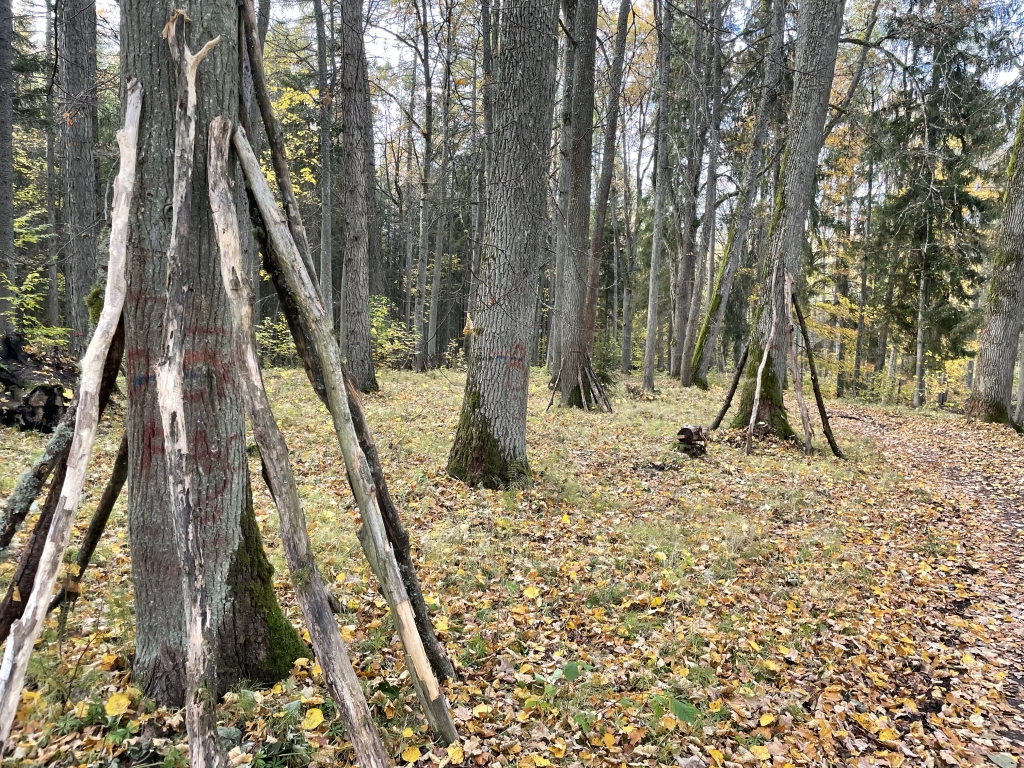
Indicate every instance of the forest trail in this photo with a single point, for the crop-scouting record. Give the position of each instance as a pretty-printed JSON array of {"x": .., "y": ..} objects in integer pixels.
[{"x": 977, "y": 470}]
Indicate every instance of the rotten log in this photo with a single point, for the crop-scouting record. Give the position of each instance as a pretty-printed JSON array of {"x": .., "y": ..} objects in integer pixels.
[
  {"x": 200, "y": 663},
  {"x": 310, "y": 589},
  {"x": 26, "y": 630},
  {"x": 373, "y": 536},
  {"x": 826, "y": 426}
]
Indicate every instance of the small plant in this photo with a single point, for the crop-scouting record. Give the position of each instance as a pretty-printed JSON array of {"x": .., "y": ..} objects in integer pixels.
[
  {"x": 25, "y": 307},
  {"x": 274, "y": 342},
  {"x": 393, "y": 341}
]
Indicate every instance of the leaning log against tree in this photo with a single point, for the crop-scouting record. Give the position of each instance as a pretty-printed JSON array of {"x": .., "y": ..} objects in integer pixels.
[
  {"x": 826, "y": 426},
  {"x": 13, "y": 605},
  {"x": 373, "y": 535},
  {"x": 27, "y": 629},
  {"x": 310, "y": 588}
]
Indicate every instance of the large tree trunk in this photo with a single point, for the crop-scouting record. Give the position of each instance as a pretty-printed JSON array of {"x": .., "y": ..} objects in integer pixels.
[
  {"x": 419, "y": 361},
  {"x": 604, "y": 184},
  {"x": 711, "y": 328},
  {"x": 76, "y": 66},
  {"x": 818, "y": 25},
  {"x": 660, "y": 185},
  {"x": 254, "y": 640},
  {"x": 360, "y": 202},
  {"x": 6, "y": 156},
  {"x": 993, "y": 383},
  {"x": 443, "y": 209},
  {"x": 490, "y": 442}
]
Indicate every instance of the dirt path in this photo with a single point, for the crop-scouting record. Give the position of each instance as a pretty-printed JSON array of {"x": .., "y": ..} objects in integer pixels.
[{"x": 978, "y": 471}]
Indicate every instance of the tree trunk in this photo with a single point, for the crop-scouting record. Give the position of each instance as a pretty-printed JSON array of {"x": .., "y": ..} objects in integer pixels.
[
  {"x": 922, "y": 305},
  {"x": 711, "y": 328},
  {"x": 661, "y": 183},
  {"x": 76, "y": 66},
  {"x": 604, "y": 183},
  {"x": 7, "y": 268},
  {"x": 993, "y": 384},
  {"x": 858, "y": 355},
  {"x": 419, "y": 361},
  {"x": 53, "y": 282},
  {"x": 325, "y": 97},
  {"x": 629, "y": 266},
  {"x": 1018, "y": 415},
  {"x": 360, "y": 198},
  {"x": 443, "y": 211},
  {"x": 410, "y": 232},
  {"x": 818, "y": 26},
  {"x": 255, "y": 641},
  {"x": 490, "y": 441}
]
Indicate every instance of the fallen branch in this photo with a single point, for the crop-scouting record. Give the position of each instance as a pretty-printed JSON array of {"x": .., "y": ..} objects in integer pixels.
[
  {"x": 794, "y": 367},
  {"x": 760, "y": 369},
  {"x": 310, "y": 589},
  {"x": 200, "y": 669},
  {"x": 27, "y": 629},
  {"x": 740, "y": 365},
  {"x": 826, "y": 427},
  {"x": 373, "y": 534}
]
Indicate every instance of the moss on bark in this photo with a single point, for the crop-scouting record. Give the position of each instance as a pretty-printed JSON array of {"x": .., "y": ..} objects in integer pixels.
[
  {"x": 772, "y": 409},
  {"x": 990, "y": 412},
  {"x": 476, "y": 456}
]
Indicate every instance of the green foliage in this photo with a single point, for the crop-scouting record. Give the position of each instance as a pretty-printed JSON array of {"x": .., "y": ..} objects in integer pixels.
[
  {"x": 27, "y": 304},
  {"x": 393, "y": 341},
  {"x": 274, "y": 342},
  {"x": 606, "y": 360}
]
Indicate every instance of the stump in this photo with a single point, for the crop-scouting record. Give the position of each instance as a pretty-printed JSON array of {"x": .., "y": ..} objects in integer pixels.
[
  {"x": 35, "y": 388},
  {"x": 692, "y": 440}
]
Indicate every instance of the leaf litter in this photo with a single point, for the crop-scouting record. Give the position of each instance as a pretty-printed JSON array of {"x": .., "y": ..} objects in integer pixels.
[{"x": 631, "y": 607}]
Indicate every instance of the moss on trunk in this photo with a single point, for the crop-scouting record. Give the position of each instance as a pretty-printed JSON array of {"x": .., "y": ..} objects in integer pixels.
[
  {"x": 989, "y": 412},
  {"x": 772, "y": 410},
  {"x": 476, "y": 456}
]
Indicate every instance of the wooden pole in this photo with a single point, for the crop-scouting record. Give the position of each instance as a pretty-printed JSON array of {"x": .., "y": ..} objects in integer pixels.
[
  {"x": 27, "y": 629},
  {"x": 794, "y": 368},
  {"x": 200, "y": 662},
  {"x": 826, "y": 427},
  {"x": 310, "y": 589},
  {"x": 373, "y": 535},
  {"x": 740, "y": 365}
]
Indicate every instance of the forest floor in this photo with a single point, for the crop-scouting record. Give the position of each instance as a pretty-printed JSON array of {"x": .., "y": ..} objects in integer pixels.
[{"x": 633, "y": 606}]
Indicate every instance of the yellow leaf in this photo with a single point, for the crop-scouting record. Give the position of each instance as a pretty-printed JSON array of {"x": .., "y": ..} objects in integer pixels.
[
  {"x": 754, "y": 646},
  {"x": 565, "y": 518},
  {"x": 772, "y": 666},
  {"x": 661, "y": 557},
  {"x": 668, "y": 722},
  {"x": 481, "y": 709},
  {"x": 766, "y": 720},
  {"x": 540, "y": 762},
  {"x": 558, "y": 748},
  {"x": 608, "y": 739},
  {"x": 715, "y": 706},
  {"x": 312, "y": 719},
  {"x": 16, "y": 597},
  {"x": 761, "y": 753},
  {"x": 455, "y": 754},
  {"x": 118, "y": 704},
  {"x": 716, "y": 756},
  {"x": 441, "y": 624},
  {"x": 407, "y": 733},
  {"x": 411, "y": 754},
  {"x": 531, "y": 592}
]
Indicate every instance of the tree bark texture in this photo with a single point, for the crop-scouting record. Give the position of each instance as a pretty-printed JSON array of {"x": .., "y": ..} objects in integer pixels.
[
  {"x": 255, "y": 640},
  {"x": 660, "y": 186},
  {"x": 312, "y": 592},
  {"x": 427, "y": 130},
  {"x": 6, "y": 156},
  {"x": 26, "y": 630},
  {"x": 325, "y": 97},
  {"x": 490, "y": 441},
  {"x": 360, "y": 197},
  {"x": 818, "y": 25},
  {"x": 76, "y": 65},
  {"x": 993, "y": 383}
]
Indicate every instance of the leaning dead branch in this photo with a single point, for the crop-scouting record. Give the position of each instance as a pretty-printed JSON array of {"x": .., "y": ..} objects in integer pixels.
[
  {"x": 27, "y": 629},
  {"x": 794, "y": 367},
  {"x": 310, "y": 588},
  {"x": 373, "y": 535},
  {"x": 200, "y": 670},
  {"x": 826, "y": 426}
]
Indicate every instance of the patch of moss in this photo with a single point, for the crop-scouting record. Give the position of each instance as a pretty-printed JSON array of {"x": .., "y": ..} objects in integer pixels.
[
  {"x": 772, "y": 409},
  {"x": 94, "y": 301},
  {"x": 476, "y": 456}
]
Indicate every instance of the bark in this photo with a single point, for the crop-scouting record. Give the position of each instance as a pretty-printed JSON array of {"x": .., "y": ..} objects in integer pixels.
[
  {"x": 21, "y": 585},
  {"x": 661, "y": 182},
  {"x": 922, "y": 305},
  {"x": 53, "y": 289},
  {"x": 818, "y": 26},
  {"x": 255, "y": 642},
  {"x": 443, "y": 212},
  {"x": 26, "y": 630},
  {"x": 76, "y": 66},
  {"x": 311, "y": 591},
  {"x": 373, "y": 535},
  {"x": 794, "y": 369},
  {"x": 604, "y": 183},
  {"x": 6, "y": 157},
  {"x": 490, "y": 440},
  {"x": 1018, "y": 414},
  {"x": 858, "y": 355},
  {"x": 1004, "y": 304},
  {"x": 360, "y": 198},
  {"x": 826, "y": 427},
  {"x": 626, "y": 360},
  {"x": 325, "y": 97},
  {"x": 711, "y": 328},
  {"x": 410, "y": 237},
  {"x": 740, "y": 362},
  {"x": 427, "y": 129}
]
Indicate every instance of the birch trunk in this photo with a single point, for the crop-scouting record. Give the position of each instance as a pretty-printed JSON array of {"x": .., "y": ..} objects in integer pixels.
[
  {"x": 993, "y": 383},
  {"x": 818, "y": 25},
  {"x": 312, "y": 592},
  {"x": 26, "y": 630},
  {"x": 490, "y": 441},
  {"x": 373, "y": 535}
]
